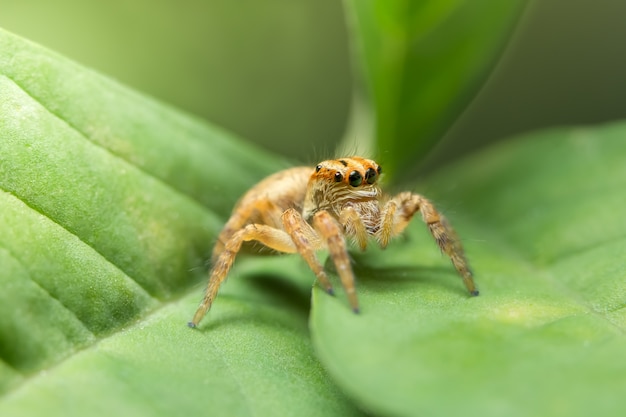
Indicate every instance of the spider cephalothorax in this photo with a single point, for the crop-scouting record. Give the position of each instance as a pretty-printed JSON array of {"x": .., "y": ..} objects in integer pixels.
[
  {"x": 338, "y": 183},
  {"x": 306, "y": 209}
]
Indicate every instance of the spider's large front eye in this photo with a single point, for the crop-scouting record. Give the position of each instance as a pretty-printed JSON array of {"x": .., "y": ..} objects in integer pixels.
[
  {"x": 355, "y": 178},
  {"x": 317, "y": 168},
  {"x": 338, "y": 177},
  {"x": 370, "y": 175}
]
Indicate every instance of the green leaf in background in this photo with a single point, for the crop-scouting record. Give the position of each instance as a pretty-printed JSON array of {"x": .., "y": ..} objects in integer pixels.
[
  {"x": 421, "y": 62},
  {"x": 109, "y": 202},
  {"x": 265, "y": 71},
  {"x": 542, "y": 219}
]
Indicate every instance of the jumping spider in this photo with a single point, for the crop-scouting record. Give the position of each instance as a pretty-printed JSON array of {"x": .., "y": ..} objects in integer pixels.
[{"x": 306, "y": 209}]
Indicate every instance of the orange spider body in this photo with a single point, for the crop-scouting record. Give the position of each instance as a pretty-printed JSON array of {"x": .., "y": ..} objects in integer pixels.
[{"x": 306, "y": 209}]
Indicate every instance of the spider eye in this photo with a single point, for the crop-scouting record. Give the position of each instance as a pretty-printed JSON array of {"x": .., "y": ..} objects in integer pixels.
[
  {"x": 317, "y": 168},
  {"x": 379, "y": 170},
  {"x": 338, "y": 177},
  {"x": 370, "y": 176},
  {"x": 355, "y": 179}
]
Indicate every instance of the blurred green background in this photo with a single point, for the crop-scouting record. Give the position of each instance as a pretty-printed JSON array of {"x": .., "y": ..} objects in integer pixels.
[{"x": 277, "y": 72}]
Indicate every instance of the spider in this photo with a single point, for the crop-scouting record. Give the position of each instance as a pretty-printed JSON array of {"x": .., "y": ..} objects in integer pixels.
[{"x": 306, "y": 209}]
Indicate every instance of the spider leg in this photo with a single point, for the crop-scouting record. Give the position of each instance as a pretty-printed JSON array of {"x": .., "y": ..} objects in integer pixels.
[
  {"x": 263, "y": 211},
  {"x": 332, "y": 233},
  {"x": 396, "y": 216},
  {"x": 271, "y": 237},
  {"x": 307, "y": 241}
]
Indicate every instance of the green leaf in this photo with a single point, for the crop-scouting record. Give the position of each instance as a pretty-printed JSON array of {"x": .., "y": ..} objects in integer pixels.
[
  {"x": 110, "y": 202},
  {"x": 542, "y": 220},
  {"x": 421, "y": 63},
  {"x": 253, "y": 357}
]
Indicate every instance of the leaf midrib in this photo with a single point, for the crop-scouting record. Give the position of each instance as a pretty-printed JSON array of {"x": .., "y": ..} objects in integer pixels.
[
  {"x": 43, "y": 289},
  {"x": 142, "y": 171},
  {"x": 27, "y": 376},
  {"x": 109, "y": 151}
]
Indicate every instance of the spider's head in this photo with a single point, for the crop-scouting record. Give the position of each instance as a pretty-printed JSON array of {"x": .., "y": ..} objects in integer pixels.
[{"x": 337, "y": 182}]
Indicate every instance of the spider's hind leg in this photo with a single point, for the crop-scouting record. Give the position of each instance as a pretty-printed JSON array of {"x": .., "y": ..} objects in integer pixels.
[
  {"x": 271, "y": 237},
  {"x": 399, "y": 211}
]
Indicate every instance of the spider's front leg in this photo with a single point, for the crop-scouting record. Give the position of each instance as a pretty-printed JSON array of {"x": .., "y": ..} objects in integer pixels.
[
  {"x": 395, "y": 218},
  {"x": 269, "y": 236},
  {"x": 326, "y": 231}
]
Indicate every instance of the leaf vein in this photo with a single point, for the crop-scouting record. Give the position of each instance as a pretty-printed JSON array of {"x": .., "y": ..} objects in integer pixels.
[
  {"x": 48, "y": 294},
  {"x": 35, "y": 209},
  {"x": 118, "y": 156}
]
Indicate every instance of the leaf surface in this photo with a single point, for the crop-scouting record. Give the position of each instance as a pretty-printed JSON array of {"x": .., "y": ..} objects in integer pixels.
[
  {"x": 421, "y": 62},
  {"x": 110, "y": 202},
  {"x": 542, "y": 221}
]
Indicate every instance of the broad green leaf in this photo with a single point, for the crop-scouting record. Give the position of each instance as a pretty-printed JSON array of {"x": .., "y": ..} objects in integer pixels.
[
  {"x": 110, "y": 202},
  {"x": 253, "y": 357},
  {"x": 542, "y": 220},
  {"x": 421, "y": 62}
]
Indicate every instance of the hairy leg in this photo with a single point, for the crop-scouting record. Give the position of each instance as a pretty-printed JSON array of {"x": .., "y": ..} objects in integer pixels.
[
  {"x": 263, "y": 211},
  {"x": 271, "y": 237},
  {"x": 331, "y": 232},
  {"x": 397, "y": 214},
  {"x": 307, "y": 242}
]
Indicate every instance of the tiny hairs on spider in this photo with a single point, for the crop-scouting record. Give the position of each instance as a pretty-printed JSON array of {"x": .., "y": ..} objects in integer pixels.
[{"x": 303, "y": 210}]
